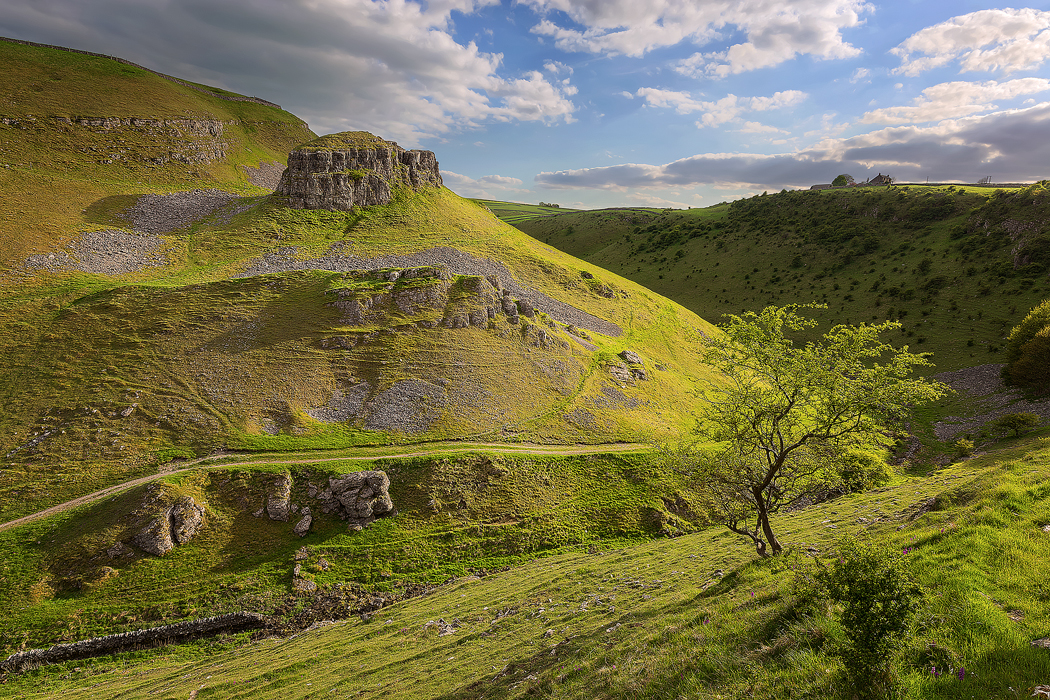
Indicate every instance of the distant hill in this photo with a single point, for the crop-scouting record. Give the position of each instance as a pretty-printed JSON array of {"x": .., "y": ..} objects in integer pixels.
[
  {"x": 80, "y": 132},
  {"x": 957, "y": 266}
]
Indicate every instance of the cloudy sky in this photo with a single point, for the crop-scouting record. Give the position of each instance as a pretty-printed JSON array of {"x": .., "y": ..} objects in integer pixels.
[{"x": 618, "y": 102}]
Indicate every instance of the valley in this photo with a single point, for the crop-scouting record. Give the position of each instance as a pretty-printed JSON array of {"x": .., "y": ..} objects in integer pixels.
[{"x": 440, "y": 447}]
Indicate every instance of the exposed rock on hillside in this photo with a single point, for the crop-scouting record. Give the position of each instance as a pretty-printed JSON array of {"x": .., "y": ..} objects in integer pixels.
[
  {"x": 174, "y": 525},
  {"x": 104, "y": 252},
  {"x": 353, "y": 168},
  {"x": 162, "y": 213},
  {"x": 455, "y": 261},
  {"x": 157, "y": 141},
  {"x": 430, "y": 296},
  {"x": 360, "y": 497},
  {"x": 278, "y": 498}
]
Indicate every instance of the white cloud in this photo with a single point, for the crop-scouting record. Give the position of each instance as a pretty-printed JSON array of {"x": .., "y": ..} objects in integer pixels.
[
  {"x": 481, "y": 187},
  {"x": 557, "y": 67},
  {"x": 775, "y": 31},
  {"x": 1004, "y": 40},
  {"x": 757, "y": 128},
  {"x": 861, "y": 75},
  {"x": 1011, "y": 146},
  {"x": 718, "y": 112},
  {"x": 391, "y": 67},
  {"x": 955, "y": 99}
]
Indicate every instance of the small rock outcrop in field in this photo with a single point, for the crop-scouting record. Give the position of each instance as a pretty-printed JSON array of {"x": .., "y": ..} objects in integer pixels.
[
  {"x": 353, "y": 168},
  {"x": 279, "y": 498},
  {"x": 359, "y": 497},
  {"x": 303, "y": 526},
  {"x": 172, "y": 526}
]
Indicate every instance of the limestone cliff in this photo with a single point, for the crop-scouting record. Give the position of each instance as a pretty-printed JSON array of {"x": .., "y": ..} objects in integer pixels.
[{"x": 353, "y": 168}]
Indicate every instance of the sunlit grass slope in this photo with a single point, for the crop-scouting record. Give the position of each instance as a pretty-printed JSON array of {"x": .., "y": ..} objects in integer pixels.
[
  {"x": 957, "y": 266},
  {"x": 205, "y": 358},
  {"x": 80, "y": 132},
  {"x": 694, "y": 616},
  {"x": 455, "y": 515}
]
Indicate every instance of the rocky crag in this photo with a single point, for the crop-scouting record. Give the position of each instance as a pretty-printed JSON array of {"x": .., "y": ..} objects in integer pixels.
[
  {"x": 353, "y": 168},
  {"x": 173, "y": 525}
]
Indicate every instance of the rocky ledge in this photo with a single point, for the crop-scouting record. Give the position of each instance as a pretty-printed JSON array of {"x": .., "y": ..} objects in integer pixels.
[{"x": 353, "y": 168}]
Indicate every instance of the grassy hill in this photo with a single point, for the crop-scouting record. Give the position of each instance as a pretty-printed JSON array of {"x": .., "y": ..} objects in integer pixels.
[
  {"x": 85, "y": 134},
  {"x": 692, "y": 616},
  {"x": 958, "y": 266},
  {"x": 144, "y": 322},
  {"x": 212, "y": 352}
]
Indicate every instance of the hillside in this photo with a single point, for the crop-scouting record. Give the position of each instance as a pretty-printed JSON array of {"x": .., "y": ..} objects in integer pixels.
[
  {"x": 82, "y": 136},
  {"x": 692, "y": 616},
  {"x": 957, "y": 266},
  {"x": 161, "y": 305}
]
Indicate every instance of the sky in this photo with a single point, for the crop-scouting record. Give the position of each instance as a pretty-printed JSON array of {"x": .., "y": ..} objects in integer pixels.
[{"x": 595, "y": 103}]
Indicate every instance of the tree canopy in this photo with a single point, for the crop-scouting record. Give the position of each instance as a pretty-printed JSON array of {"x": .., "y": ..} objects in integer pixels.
[
  {"x": 784, "y": 410},
  {"x": 1028, "y": 349},
  {"x": 843, "y": 180}
]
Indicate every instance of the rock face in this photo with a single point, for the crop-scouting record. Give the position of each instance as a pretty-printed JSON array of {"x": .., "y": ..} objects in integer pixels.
[
  {"x": 279, "y": 497},
  {"x": 359, "y": 497},
  {"x": 353, "y": 168},
  {"x": 303, "y": 526},
  {"x": 175, "y": 525}
]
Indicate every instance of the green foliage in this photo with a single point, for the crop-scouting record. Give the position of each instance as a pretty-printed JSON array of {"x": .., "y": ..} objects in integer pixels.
[
  {"x": 796, "y": 246},
  {"x": 1019, "y": 423},
  {"x": 1028, "y": 349},
  {"x": 843, "y": 180},
  {"x": 879, "y": 597},
  {"x": 784, "y": 410},
  {"x": 860, "y": 470},
  {"x": 963, "y": 447}
]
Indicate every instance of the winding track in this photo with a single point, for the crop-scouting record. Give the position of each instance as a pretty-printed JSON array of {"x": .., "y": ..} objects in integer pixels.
[{"x": 439, "y": 449}]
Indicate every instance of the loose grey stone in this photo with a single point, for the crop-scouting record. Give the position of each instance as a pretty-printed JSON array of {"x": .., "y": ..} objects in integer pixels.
[{"x": 303, "y": 526}]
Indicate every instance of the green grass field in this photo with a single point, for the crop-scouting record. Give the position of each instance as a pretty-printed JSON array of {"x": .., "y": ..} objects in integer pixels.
[
  {"x": 693, "y": 616},
  {"x": 562, "y": 573},
  {"x": 914, "y": 254},
  {"x": 513, "y": 212}
]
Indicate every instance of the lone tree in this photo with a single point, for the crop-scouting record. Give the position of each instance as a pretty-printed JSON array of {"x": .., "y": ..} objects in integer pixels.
[
  {"x": 843, "y": 180},
  {"x": 785, "y": 411}
]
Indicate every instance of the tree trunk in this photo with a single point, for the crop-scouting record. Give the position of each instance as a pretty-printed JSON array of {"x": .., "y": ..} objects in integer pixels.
[{"x": 763, "y": 521}]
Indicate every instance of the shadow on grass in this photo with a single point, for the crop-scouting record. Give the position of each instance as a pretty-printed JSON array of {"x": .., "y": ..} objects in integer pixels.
[{"x": 111, "y": 211}]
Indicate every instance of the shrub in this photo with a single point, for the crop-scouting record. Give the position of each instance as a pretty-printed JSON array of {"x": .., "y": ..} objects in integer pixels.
[
  {"x": 860, "y": 470},
  {"x": 879, "y": 598},
  {"x": 1028, "y": 349},
  {"x": 1018, "y": 422},
  {"x": 963, "y": 447}
]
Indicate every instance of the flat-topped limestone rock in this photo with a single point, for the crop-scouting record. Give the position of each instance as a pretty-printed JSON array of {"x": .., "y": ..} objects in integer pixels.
[{"x": 353, "y": 168}]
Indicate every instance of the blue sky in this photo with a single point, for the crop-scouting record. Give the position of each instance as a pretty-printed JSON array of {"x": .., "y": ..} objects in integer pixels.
[{"x": 595, "y": 103}]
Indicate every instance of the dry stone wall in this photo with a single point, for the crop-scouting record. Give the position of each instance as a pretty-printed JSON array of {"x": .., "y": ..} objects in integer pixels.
[{"x": 137, "y": 639}]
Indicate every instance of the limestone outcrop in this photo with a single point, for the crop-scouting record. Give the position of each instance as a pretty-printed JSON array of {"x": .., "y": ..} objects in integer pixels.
[
  {"x": 359, "y": 497},
  {"x": 429, "y": 297},
  {"x": 172, "y": 526},
  {"x": 353, "y": 168},
  {"x": 279, "y": 498}
]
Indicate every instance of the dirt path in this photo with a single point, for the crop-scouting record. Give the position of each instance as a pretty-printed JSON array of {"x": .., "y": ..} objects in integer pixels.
[{"x": 499, "y": 448}]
